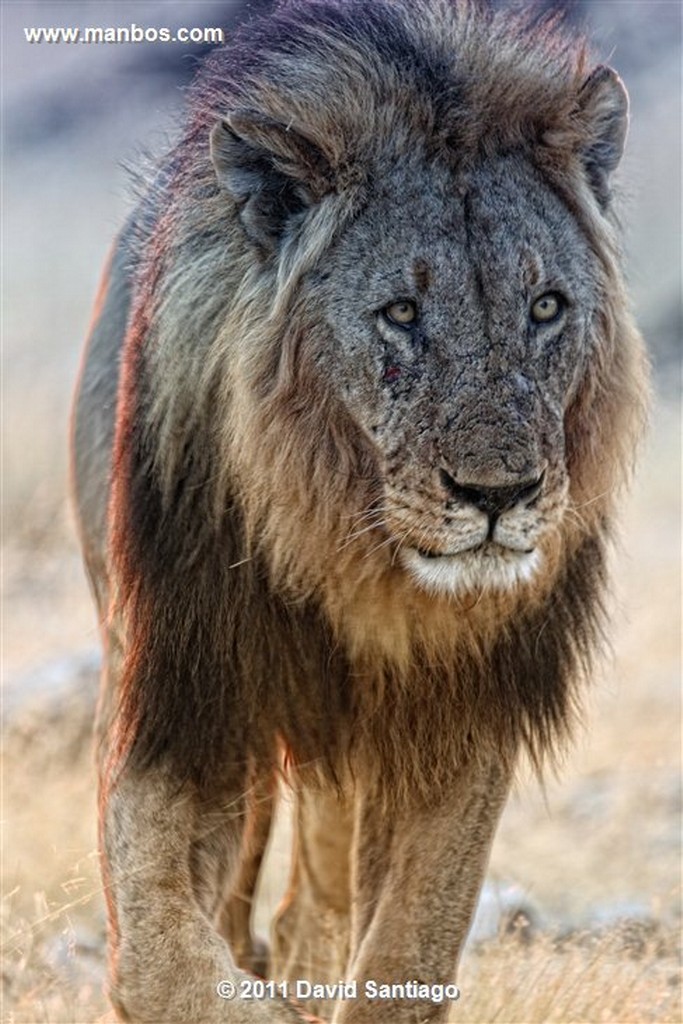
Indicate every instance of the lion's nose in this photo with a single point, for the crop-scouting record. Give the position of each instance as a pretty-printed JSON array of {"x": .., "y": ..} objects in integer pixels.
[{"x": 493, "y": 500}]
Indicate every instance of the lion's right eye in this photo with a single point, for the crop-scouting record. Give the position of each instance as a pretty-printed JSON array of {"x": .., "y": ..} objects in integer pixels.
[
  {"x": 402, "y": 313},
  {"x": 547, "y": 308}
]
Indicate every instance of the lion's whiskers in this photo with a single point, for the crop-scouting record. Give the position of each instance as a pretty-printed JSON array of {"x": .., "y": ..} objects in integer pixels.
[
  {"x": 374, "y": 519},
  {"x": 591, "y": 501}
]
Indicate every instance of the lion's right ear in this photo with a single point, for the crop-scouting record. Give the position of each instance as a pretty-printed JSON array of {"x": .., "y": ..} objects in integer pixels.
[
  {"x": 603, "y": 102},
  {"x": 272, "y": 171}
]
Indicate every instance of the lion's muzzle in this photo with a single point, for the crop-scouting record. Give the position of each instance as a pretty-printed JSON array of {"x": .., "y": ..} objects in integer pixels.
[{"x": 486, "y": 534}]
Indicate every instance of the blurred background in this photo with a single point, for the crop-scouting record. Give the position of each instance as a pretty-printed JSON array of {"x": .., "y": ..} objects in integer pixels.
[{"x": 597, "y": 853}]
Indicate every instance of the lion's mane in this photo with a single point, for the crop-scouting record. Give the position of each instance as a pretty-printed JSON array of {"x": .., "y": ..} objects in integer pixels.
[{"x": 249, "y": 618}]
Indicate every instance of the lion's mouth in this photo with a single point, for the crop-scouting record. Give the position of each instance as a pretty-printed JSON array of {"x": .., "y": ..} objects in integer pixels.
[
  {"x": 493, "y": 546},
  {"x": 423, "y": 553},
  {"x": 487, "y": 565}
]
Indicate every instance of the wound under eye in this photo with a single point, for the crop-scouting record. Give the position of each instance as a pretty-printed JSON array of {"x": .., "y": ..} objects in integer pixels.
[{"x": 391, "y": 374}]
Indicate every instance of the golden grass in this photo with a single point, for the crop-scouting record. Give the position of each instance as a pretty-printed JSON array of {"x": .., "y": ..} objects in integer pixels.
[
  {"x": 45, "y": 973},
  {"x": 619, "y": 977}
]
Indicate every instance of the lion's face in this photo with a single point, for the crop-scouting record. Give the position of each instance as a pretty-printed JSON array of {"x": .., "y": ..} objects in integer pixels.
[
  {"x": 461, "y": 312},
  {"x": 460, "y": 315}
]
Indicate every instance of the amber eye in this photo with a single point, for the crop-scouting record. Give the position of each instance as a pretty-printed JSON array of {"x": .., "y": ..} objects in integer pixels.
[
  {"x": 402, "y": 313},
  {"x": 547, "y": 307}
]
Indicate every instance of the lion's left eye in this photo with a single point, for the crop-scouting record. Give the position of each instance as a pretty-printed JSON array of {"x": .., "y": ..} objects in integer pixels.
[
  {"x": 547, "y": 308},
  {"x": 402, "y": 313}
]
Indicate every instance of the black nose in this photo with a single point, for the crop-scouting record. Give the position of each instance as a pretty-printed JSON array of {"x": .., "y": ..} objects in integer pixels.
[{"x": 493, "y": 500}]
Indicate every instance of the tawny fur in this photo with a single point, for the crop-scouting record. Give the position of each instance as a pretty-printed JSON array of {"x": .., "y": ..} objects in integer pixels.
[{"x": 275, "y": 451}]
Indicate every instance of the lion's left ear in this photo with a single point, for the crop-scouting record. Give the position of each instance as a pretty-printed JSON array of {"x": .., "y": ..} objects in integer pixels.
[
  {"x": 272, "y": 171},
  {"x": 603, "y": 102}
]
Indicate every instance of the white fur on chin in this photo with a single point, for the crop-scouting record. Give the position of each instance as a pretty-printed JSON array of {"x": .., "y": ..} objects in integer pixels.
[{"x": 486, "y": 569}]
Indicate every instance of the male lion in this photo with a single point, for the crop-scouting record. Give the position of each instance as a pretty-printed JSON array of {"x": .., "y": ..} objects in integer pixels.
[{"x": 359, "y": 396}]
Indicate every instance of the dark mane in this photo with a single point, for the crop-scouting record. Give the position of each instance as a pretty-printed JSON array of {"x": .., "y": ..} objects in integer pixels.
[{"x": 225, "y": 659}]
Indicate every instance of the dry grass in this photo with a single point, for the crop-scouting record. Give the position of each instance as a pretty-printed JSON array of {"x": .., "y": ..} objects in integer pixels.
[
  {"x": 46, "y": 975},
  {"x": 52, "y": 910},
  {"x": 619, "y": 977}
]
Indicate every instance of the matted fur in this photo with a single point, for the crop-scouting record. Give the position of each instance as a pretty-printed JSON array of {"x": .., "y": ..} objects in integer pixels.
[
  {"x": 241, "y": 476},
  {"x": 360, "y": 395}
]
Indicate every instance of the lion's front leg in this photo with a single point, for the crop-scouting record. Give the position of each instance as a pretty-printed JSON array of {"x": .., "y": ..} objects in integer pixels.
[
  {"x": 310, "y": 934},
  {"x": 160, "y": 847},
  {"x": 417, "y": 874},
  {"x": 234, "y": 912}
]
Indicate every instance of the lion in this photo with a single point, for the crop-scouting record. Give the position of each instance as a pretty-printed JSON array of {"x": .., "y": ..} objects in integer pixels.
[{"x": 359, "y": 398}]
